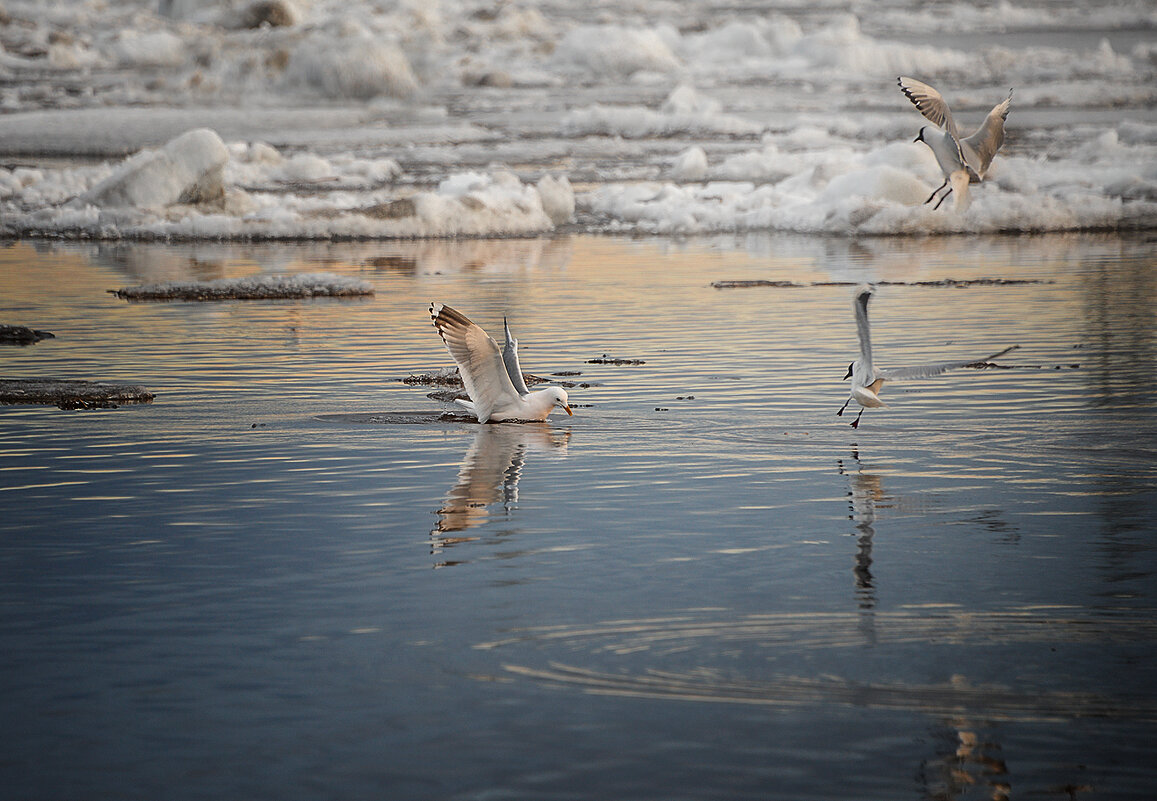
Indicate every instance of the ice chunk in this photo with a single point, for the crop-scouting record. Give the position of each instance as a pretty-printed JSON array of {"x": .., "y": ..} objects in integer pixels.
[
  {"x": 616, "y": 50},
  {"x": 685, "y": 100},
  {"x": 557, "y": 198},
  {"x": 880, "y": 182},
  {"x": 636, "y": 122},
  {"x": 690, "y": 165},
  {"x": 251, "y": 287},
  {"x": 149, "y": 49},
  {"x": 305, "y": 168},
  {"x": 186, "y": 170},
  {"x": 356, "y": 66}
]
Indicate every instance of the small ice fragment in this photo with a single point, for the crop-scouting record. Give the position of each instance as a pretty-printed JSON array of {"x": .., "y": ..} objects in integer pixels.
[
  {"x": 557, "y": 198},
  {"x": 690, "y": 165}
]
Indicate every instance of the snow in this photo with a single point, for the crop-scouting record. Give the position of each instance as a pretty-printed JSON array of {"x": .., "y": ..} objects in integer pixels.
[{"x": 287, "y": 119}]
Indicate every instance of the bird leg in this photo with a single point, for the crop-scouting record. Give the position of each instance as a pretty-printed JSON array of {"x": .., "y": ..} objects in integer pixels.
[
  {"x": 840, "y": 413},
  {"x": 856, "y": 423},
  {"x": 946, "y": 194},
  {"x": 934, "y": 191}
]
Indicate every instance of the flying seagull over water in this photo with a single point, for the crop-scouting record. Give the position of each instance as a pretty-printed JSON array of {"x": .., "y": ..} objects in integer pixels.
[
  {"x": 867, "y": 379},
  {"x": 493, "y": 378},
  {"x": 962, "y": 160}
]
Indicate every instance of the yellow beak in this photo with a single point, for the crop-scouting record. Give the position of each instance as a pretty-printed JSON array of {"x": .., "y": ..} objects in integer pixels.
[{"x": 566, "y": 408}]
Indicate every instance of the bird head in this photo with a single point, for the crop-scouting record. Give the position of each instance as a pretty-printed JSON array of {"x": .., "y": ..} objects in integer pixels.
[{"x": 560, "y": 399}]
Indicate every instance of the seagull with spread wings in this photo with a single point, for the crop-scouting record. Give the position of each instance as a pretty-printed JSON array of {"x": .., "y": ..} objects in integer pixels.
[
  {"x": 867, "y": 379},
  {"x": 962, "y": 160},
  {"x": 493, "y": 377}
]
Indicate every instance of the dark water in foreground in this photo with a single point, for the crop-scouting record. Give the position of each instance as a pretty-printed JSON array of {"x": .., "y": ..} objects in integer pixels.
[{"x": 703, "y": 585}]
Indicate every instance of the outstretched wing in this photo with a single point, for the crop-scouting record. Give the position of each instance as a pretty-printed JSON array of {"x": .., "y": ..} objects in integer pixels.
[
  {"x": 478, "y": 358},
  {"x": 510, "y": 359},
  {"x": 926, "y": 370},
  {"x": 989, "y": 136},
  {"x": 861, "y": 298},
  {"x": 930, "y": 104}
]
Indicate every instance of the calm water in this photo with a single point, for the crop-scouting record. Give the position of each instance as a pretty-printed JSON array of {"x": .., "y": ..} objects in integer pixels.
[{"x": 703, "y": 585}]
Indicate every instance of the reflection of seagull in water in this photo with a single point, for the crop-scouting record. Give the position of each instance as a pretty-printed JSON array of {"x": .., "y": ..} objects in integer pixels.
[
  {"x": 491, "y": 470},
  {"x": 867, "y": 380},
  {"x": 962, "y": 160},
  {"x": 865, "y": 493},
  {"x": 493, "y": 378}
]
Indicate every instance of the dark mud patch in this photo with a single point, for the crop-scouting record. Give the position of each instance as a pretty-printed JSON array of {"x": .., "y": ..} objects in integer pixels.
[
  {"x": 447, "y": 377},
  {"x": 447, "y": 395},
  {"x": 399, "y": 418},
  {"x": 943, "y": 282},
  {"x": 258, "y": 287},
  {"x": 22, "y": 335},
  {"x": 605, "y": 359},
  {"x": 70, "y": 394},
  {"x": 413, "y": 418},
  {"x": 450, "y": 378}
]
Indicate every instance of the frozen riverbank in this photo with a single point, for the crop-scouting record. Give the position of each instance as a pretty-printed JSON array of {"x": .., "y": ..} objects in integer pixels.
[{"x": 359, "y": 120}]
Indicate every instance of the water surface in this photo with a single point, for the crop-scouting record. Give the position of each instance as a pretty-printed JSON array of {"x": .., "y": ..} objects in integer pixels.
[{"x": 703, "y": 585}]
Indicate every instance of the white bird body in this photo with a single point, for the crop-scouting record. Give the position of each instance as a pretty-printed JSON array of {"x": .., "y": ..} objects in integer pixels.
[
  {"x": 957, "y": 176},
  {"x": 493, "y": 378},
  {"x": 973, "y": 154},
  {"x": 868, "y": 380}
]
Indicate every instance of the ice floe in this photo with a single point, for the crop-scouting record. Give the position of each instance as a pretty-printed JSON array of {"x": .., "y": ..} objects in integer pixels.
[
  {"x": 179, "y": 192},
  {"x": 251, "y": 287}
]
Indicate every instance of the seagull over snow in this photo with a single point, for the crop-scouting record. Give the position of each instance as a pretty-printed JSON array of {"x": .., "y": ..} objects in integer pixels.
[
  {"x": 962, "y": 160},
  {"x": 493, "y": 378},
  {"x": 867, "y": 379}
]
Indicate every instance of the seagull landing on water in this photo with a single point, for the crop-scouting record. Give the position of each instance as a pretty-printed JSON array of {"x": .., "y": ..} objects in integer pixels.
[
  {"x": 962, "y": 160},
  {"x": 867, "y": 379},
  {"x": 493, "y": 378}
]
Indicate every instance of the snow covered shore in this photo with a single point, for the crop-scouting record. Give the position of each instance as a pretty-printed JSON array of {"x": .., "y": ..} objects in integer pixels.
[{"x": 163, "y": 119}]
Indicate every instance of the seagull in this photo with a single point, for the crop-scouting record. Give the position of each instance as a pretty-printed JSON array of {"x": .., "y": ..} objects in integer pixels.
[
  {"x": 962, "y": 160},
  {"x": 493, "y": 378},
  {"x": 867, "y": 379}
]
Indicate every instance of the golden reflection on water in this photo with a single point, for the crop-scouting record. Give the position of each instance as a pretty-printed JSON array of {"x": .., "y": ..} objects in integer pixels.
[
  {"x": 489, "y": 475},
  {"x": 579, "y": 296}
]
